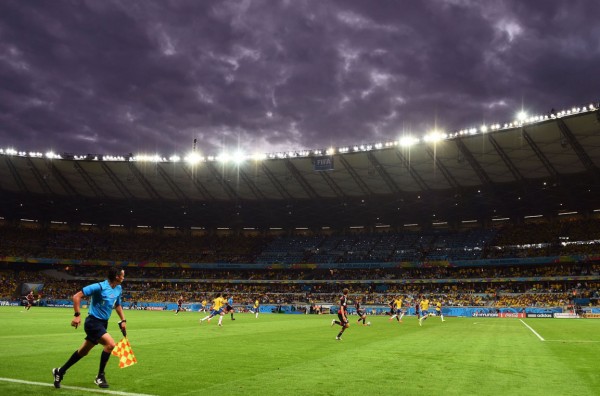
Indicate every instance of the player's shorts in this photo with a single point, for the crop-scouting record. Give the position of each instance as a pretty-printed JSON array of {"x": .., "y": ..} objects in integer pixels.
[
  {"x": 341, "y": 318},
  {"x": 94, "y": 329},
  {"x": 360, "y": 313},
  {"x": 438, "y": 313},
  {"x": 217, "y": 312},
  {"x": 424, "y": 312},
  {"x": 228, "y": 308}
]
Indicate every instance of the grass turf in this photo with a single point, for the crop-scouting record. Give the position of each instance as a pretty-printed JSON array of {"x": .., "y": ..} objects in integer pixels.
[{"x": 298, "y": 355}]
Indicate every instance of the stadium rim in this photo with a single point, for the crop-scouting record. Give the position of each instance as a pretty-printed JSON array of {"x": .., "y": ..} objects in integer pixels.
[{"x": 107, "y": 392}]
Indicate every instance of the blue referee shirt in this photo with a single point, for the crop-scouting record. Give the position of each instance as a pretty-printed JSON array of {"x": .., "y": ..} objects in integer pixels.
[{"x": 103, "y": 299}]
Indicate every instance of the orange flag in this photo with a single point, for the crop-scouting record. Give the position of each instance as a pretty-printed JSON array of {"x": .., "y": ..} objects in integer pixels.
[{"x": 125, "y": 353}]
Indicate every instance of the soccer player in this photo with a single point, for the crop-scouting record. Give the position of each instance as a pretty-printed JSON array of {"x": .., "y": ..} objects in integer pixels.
[
  {"x": 217, "y": 309},
  {"x": 362, "y": 315},
  {"x": 391, "y": 305},
  {"x": 204, "y": 306},
  {"x": 398, "y": 307},
  {"x": 30, "y": 300},
  {"x": 342, "y": 314},
  {"x": 179, "y": 304},
  {"x": 229, "y": 307},
  {"x": 256, "y": 308},
  {"x": 417, "y": 308},
  {"x": 424, "y": 310},
  {"x": 104, "y": 296},
  {"x": 438, "y": 310}
]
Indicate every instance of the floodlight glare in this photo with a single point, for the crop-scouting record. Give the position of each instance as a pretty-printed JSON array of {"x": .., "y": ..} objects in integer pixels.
[
  {"x": 223, "y": 157},
  {"x": 407, "y": 141},
  {"x": 258, "y": 156},
  {"x": 435, "y": 136},
  {"x": 521, "y": 116},
  {"x": 192, "y": 158},
  {"x": 238, "y": 157}
]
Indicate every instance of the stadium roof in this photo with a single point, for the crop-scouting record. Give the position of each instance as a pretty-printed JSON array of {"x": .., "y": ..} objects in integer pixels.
[{"x": 546, "y": 168}]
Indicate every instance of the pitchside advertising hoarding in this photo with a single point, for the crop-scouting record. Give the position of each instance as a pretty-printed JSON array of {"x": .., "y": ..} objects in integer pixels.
[
  {"x": 540, "y": 315},
  {"x": 589, "y": 315},
  {"x": 499, "y": 315}
]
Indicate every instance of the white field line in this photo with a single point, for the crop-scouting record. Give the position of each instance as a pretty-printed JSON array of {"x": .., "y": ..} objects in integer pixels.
[
  {"x": 533, "y": 331},
  {"x": 573, "y": 341},
  {"x": 106, "y": 392}
]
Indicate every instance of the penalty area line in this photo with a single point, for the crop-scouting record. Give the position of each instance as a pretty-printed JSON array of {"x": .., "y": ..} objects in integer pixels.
[
  {"x": 106, "y": 392},
  {"x": 533, "y": 331}
]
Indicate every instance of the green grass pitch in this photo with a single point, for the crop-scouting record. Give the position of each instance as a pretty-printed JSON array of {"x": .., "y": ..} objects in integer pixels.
[{"x": 298, "y": 355}]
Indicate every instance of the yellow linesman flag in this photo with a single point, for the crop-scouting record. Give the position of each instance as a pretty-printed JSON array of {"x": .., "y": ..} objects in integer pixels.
[{"x": 125, "y": 353}]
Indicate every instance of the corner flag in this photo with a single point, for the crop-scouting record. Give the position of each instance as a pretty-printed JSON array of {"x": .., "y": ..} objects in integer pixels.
[{"x": 125, "y": 353}]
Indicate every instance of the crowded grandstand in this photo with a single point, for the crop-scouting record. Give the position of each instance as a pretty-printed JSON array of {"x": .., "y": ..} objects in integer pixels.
[{"x": 501, "y": 218}]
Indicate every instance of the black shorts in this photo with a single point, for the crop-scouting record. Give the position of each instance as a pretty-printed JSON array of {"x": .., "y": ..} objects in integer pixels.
[
  {"x": 360, "y": 313},
  {"x": 94, "y": 329},
  {"x": 341, "y": 318}
]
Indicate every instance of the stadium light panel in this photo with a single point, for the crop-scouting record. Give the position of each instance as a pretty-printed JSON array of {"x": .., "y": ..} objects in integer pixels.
[
  {"x": 238, "y": 157},
  {"x": 193, "y": 158},
  {"x": 258, "y": 157},
  {"x": 408, "y": 141},
  {"x": 435, "y": 136}
]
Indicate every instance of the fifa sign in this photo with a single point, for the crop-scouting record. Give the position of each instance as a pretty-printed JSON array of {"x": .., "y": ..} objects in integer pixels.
[{"x": 323, "y": 163}]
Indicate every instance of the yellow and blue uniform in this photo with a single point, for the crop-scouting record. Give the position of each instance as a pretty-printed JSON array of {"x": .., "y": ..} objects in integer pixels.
[
  {"x": 217, "y": 307},
  {"x": 424, "y": 307}
]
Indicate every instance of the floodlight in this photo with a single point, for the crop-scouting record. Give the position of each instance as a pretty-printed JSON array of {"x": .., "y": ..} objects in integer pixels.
[
  {"x": 258, "y": 157},
  {"x": 435, "y": 136},
  {"x": 192, "y": 158},
  {"x": 407, "y": 141},
  {"x": 238, "y": 157}
]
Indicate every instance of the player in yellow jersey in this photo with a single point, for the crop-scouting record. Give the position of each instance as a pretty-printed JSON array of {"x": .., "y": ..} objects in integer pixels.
[
  {"x": 256, "y": 308},
  {"x": 424, "y": 310},
  {"x": 438, "y": 310},
  {"x": 216, "y": 309},
  {"x": 398, "y": 314}
]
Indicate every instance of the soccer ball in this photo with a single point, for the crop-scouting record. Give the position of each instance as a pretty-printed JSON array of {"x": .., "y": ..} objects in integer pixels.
[{"x": 368, "y": 323}]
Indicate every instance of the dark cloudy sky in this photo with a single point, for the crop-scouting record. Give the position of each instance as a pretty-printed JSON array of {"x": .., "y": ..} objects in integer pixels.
[{"x": 123, "y": 76}]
